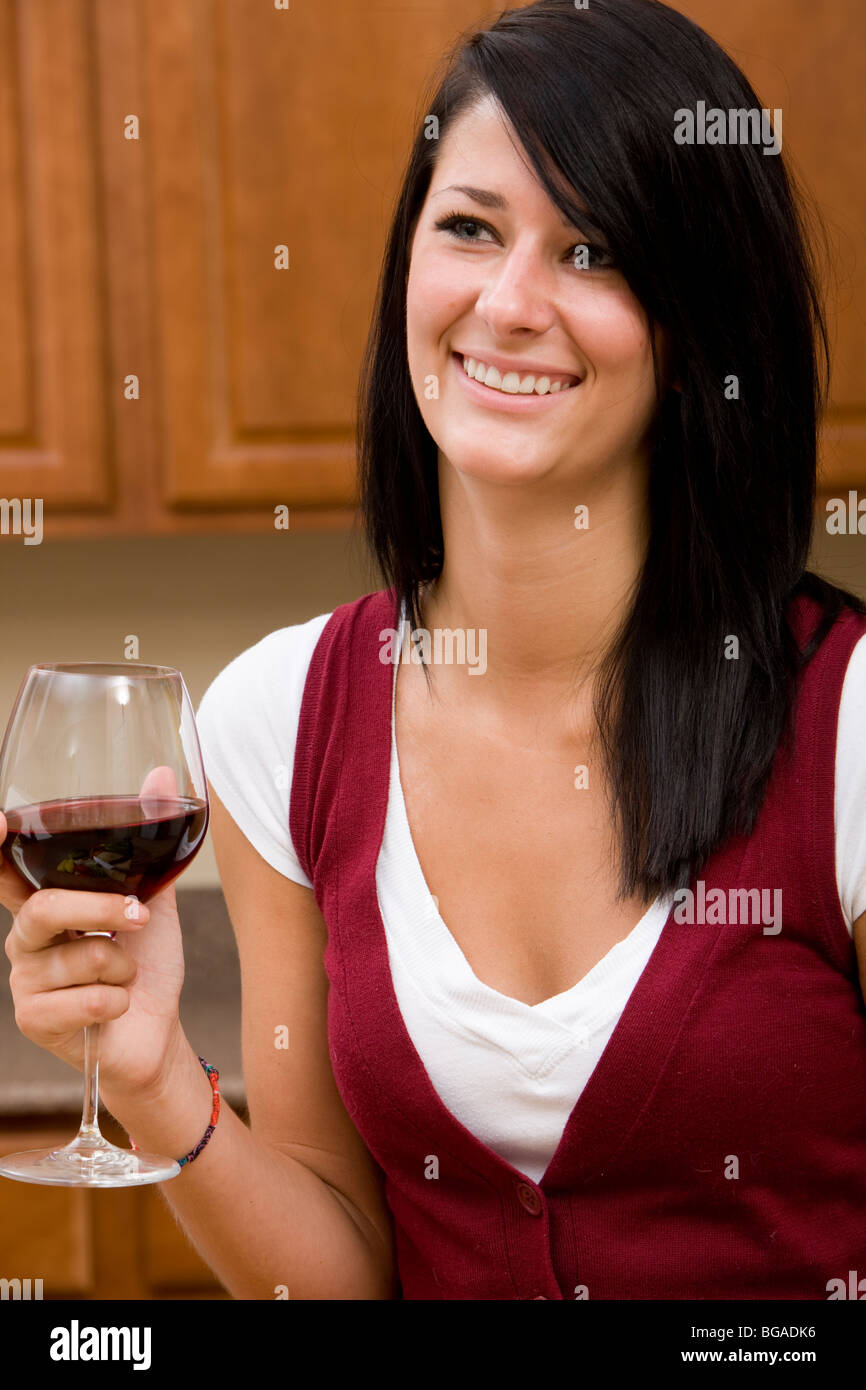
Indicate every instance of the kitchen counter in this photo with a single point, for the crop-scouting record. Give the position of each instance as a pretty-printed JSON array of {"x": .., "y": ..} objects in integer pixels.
[{"x": 33, "y": 1082}]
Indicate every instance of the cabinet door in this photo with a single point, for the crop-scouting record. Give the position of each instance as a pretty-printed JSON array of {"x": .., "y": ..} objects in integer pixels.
[
  {"x": 111, "y": 1243},
  {"x": 53, "y": 436},
  {"x": 273, "y": 128},
  {"x": 807, "y": 59},
  {"x": 45, "y": 1232}
]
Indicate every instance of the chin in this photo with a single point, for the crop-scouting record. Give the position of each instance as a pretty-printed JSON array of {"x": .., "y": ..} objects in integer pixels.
[{"x": 493, "y": 467}]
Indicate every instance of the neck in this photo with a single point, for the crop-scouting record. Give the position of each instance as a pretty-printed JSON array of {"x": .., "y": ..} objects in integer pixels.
[{"x": 550, "y": 596}]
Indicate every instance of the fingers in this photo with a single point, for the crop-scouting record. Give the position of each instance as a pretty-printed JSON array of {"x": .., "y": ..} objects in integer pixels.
[
  {"x": 14, "y": 892},
  {"x": 73, "y": 984},
  {"x": 47, "y": 1018},
  {"x": 159, "y": 784},
  {"x": 50, "y": 912},
  {"x": 89, "y": 960}
]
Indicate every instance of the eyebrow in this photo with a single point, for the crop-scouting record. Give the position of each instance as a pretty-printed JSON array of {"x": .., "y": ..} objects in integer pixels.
[{"x": 488, "y": 199}]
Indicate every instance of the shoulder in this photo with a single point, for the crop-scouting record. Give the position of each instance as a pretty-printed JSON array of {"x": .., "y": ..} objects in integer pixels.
[
  {"x": 247, "y": 724},
  {"x": 270, "y": 674},
  {"x": 850, "y": 787},
  {"x": 851, "y": 732},
  {"x": 826, "y": 620}
]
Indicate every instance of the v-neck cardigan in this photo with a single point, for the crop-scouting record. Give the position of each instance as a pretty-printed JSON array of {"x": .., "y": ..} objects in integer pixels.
[{"x": 718, "y": 1150}]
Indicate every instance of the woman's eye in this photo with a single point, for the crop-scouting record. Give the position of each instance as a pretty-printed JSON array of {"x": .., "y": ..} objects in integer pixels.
[
  {"x": 452, "y": 222},
  {"x": 584, "y": 256}
]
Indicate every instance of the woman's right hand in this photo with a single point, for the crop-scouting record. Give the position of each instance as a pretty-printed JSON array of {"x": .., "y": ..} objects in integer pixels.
[{"x": 61, "y": 982}]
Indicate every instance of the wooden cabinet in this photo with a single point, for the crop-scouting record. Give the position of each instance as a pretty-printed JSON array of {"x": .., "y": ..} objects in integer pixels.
[
  {"x": 807, "y": 60},
  {"x": 113, "y": 1244},
  {"x": 54, "y": 336},
  {"x": 160, "y": 369}
]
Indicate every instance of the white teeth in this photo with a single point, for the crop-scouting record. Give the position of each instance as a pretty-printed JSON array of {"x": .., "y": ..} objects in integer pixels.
[{"x": 512, "y": 383}]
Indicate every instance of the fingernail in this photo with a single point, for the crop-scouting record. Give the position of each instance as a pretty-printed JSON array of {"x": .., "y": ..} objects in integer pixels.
[{"x": 132, "y": 911}]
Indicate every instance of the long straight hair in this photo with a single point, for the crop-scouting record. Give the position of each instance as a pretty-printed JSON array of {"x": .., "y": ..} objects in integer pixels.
[{"x": 714, "y": 243}]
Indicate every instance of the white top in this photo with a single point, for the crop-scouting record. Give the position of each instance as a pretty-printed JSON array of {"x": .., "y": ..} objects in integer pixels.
[{"x": 510, "y": 1072}]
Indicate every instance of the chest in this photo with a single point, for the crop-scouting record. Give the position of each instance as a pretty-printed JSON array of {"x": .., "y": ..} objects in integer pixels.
[{"x": 516, "y": 844}]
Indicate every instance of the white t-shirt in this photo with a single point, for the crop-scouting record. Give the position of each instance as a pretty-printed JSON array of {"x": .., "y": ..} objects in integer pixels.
[{"x": 510, "y": 1072}]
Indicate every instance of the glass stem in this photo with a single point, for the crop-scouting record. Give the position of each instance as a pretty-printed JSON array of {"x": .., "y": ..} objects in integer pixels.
[{"x": 89, "y": 1125}]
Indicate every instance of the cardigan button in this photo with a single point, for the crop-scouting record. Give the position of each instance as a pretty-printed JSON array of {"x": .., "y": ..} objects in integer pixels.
[{"x": 529, "y": 1198}]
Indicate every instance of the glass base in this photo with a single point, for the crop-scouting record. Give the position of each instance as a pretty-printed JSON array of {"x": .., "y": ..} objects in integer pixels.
[{"x": 88, "y": 1164}]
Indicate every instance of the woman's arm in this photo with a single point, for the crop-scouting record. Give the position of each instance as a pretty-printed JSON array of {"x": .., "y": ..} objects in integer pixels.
[
  {"x": 860, "y": 946},
  {"x": 295, "y": 1200}
]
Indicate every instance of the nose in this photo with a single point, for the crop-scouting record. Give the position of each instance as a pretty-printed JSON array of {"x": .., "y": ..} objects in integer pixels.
[{"x": 518, "y": 294}]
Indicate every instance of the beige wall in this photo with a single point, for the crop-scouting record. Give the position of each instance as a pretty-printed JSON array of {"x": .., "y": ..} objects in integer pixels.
[{"x": 195, "y": 602}]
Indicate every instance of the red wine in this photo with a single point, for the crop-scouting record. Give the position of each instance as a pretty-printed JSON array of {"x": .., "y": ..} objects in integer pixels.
[{"x": 107, "y": 844}]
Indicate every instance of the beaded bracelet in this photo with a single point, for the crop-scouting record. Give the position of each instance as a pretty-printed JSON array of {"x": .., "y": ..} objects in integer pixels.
[{"x": 213, "y": 1077}]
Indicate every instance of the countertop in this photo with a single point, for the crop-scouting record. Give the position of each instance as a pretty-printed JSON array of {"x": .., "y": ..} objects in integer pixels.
[{"x": 33, "y": 1082}]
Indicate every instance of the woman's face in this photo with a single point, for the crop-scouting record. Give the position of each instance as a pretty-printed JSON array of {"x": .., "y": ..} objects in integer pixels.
[{"x": 506, "y": 287}]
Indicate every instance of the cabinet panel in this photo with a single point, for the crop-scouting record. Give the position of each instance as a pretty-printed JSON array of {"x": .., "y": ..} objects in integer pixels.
[
  {"x": 807, "y": 59},
  {"x": 113, "y": 1243},
  {"x": 44, "y": 1231},
  {"x": 53, "y": 436},
  {"x": 270, "y": 128}
]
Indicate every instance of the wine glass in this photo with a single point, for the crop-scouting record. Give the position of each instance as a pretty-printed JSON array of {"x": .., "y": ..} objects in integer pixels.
[{"x": 103, "y": 789}]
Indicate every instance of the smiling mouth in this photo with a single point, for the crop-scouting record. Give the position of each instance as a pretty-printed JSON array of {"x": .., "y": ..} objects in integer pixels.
[{"x": 520, "y": 384}]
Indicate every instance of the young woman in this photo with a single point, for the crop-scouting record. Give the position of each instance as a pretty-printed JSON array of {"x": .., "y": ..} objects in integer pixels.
[{"x": 565, "y": 939}]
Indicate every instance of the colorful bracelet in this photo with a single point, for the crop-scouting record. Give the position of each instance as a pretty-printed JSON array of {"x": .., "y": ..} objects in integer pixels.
[{"x": 213, "y": 1077}]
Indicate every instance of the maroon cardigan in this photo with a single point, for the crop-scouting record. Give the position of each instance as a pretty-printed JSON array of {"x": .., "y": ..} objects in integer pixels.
[{"x": 734, "y": 1045}]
